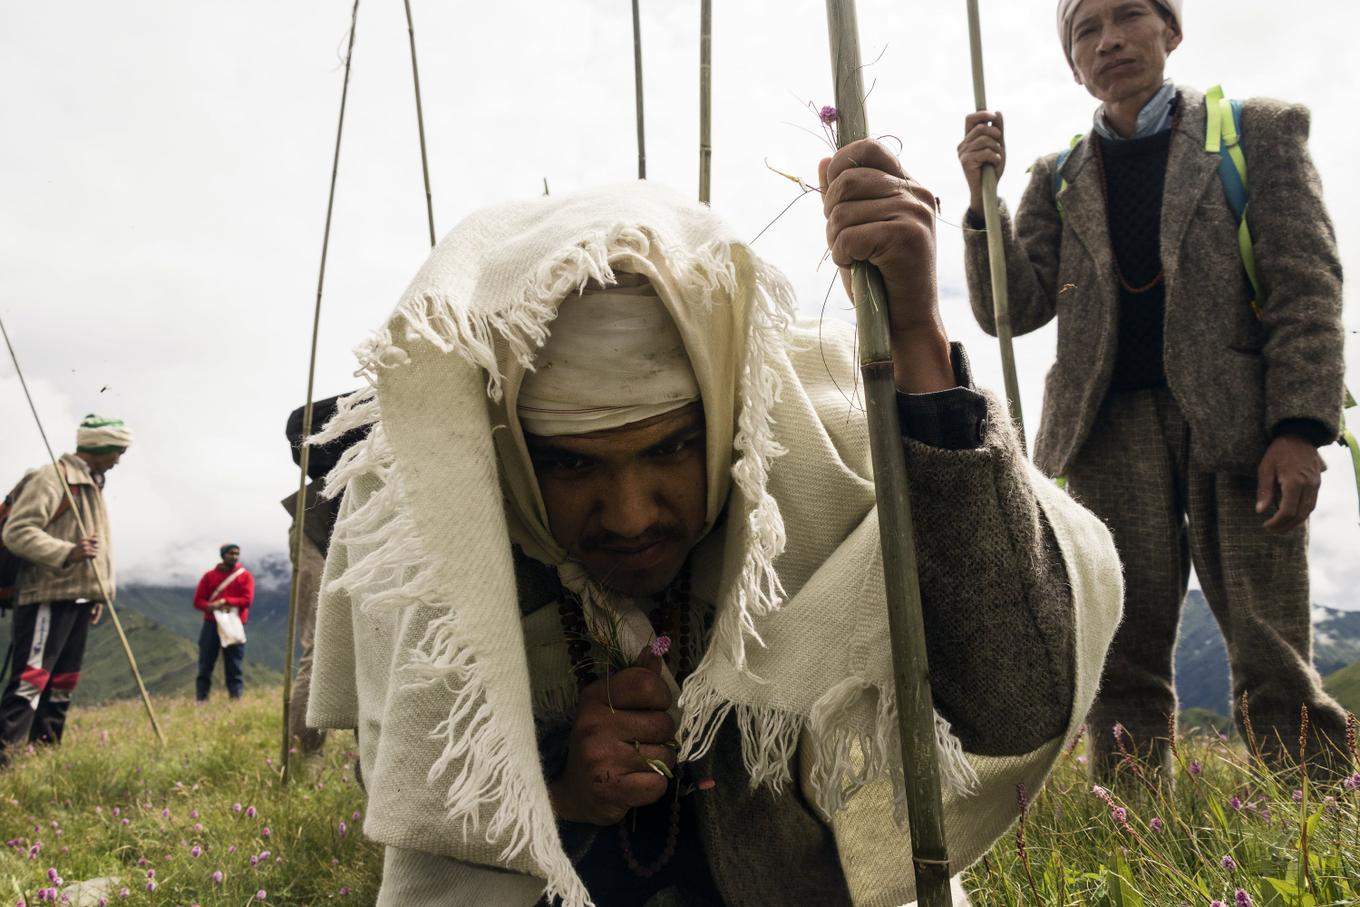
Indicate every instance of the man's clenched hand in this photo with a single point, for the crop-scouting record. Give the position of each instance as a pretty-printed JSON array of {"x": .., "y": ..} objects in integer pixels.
[
  {"x": 1293, "y": 468},
  {"x": 876, "y": 213},
  {"x": 620, "y": 724}
]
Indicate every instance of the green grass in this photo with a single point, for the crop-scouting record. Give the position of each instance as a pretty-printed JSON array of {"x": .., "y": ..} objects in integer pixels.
[
  {"x": 1344, "y": 685},
  {"x": 96, "y": 808}
]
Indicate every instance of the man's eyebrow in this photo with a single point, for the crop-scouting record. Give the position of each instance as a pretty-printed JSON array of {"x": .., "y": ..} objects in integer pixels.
[
  {"x": 683, "y": 433},
  {"x": 545, "y": 449}
]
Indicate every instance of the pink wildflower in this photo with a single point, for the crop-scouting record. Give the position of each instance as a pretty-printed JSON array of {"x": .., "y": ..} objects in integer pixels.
[
  {"x": 1228, "y": 862},
  {"x": 358, "y": 815},
  {"x": 1352, "y": 783},
  {"x": 193, "y": 814},
  {"x": 117, "y": 812},
  {"x": 828, "y": 115},
  {"x": 217, "y": 877},
  {"x": 196, "y": 851},
  {"x": 344, "y": 891},
  {"x": 123, "y": 892},
  {"x": 343, "y": 829},
  {"x": 126, "y": 821},
  {"x": 236, "y": 807},
  {"x": 165, "y": 813},
  {"x": 265, "y": 832},
  {"x": 660, "y": 646},
  {"x": 52, "y": 875},
  {"x": 231, "y": 849},
  {"x": 264, "y": 855},
  {"x": 260, "y": 895},
  {"x": 250, "y": 812},
  {"x": 1195, "y": 768},
  {"x": 1156, "y": 824},
  {"x": 1235, "y": 803},
  {"x": 1243, "y": 899},
  {"x": 151, "y": 885}
]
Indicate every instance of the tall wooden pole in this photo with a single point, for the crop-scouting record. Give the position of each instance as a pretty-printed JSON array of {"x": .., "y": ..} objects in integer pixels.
[
  {"x": 705, "y": 99},
  {"x": 996, "y": 251},
  {"x": 915, "y": 708},
  {"x": 300, "y": 505},
  {"x": 80, "y": 527},
  {"x": 637, "y": 91},
  {"x": 420, "y": 123},
  {"x": 911, "y": 676}
]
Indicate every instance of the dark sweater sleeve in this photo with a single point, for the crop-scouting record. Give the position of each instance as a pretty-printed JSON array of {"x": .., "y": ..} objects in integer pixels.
[
  {"x": 953, "y": 419},
  {"x": 997, "y": 603}
]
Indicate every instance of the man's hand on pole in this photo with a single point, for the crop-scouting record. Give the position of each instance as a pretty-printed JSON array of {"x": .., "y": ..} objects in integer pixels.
[
  {"x": 1290, "y": 474},
  {"x": 621, "y": 724},
  {"x": 984, "y": 142},
  {"x": 96, "y": 612},
  {"x": 86, "y": 549},
  {"x": 876, "y": 213}
]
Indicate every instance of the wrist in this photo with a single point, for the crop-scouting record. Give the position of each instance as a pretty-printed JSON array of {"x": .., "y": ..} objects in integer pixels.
[{"x": 921, "y": 363}]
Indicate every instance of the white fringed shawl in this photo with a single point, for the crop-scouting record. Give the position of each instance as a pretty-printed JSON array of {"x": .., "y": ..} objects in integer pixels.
[{"x": 420, "y": 641}]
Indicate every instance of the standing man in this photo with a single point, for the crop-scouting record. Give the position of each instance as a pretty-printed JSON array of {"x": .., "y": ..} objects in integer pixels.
[
  {"x": 59, "y": 592},
  {"x": 226, "y": 587},
  {"x": 1186, "y": 413}
]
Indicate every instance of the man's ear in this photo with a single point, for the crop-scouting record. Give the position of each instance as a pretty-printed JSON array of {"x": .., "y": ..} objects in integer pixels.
[{"x": 1174, "y": 41}]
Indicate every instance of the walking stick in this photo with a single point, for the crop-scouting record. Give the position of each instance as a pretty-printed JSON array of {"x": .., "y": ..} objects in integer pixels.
[
  {"x": 915, "y": 710},
  {"x": 637, "y": 91},
  {"x": 80, "y": 527},
  {"x": 420, "y": 123},
  {"x": 996, "y": 252},
  {"x": 300, "y": 506},
  {"x": 705, "y": 98}
]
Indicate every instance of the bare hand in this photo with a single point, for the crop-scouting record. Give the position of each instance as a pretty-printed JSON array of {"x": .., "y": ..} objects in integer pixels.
[
  {"x": 1292, "y": 466},
  {"x": 876, "y": 213},
  {"x": 96, "y": 612},
  {"x": 984, "y": 142},
  {"x": 85, "y": 550},
  {"x": 620, "y": 724}
]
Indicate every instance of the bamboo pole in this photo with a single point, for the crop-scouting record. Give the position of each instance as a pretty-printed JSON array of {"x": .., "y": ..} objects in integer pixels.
[
  {"x": 300, "y": 505},
  {"x": 996, "y": 252},
  {"x": 80, "y": 527},
  {"x": 420, "y": 123},
  {"x": 705, "y": 98},
  {"x": 637, "y": 91},
  {"x": 915, "y": 709}
]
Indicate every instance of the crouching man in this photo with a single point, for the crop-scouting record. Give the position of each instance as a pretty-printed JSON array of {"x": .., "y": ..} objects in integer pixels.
[{"x": 605, "y": 596}]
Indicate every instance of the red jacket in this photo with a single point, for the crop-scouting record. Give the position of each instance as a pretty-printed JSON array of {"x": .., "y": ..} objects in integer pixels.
[{"x": 239, "y": 593}]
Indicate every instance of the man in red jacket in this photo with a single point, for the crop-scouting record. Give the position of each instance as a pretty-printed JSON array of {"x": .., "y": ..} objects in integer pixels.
[{"x": 226, "y": 588}]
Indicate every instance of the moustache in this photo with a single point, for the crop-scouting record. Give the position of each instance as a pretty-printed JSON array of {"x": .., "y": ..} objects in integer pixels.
[{"x": 661, "y": 532}]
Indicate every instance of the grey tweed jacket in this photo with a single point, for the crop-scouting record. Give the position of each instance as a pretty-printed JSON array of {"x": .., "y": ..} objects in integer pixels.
[{"x": 1235, "y": 376}]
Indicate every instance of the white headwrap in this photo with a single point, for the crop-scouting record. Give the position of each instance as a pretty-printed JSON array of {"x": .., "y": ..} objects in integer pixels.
[
  {"x": 614, "y": 357},
  {"x": 98, "y": 434},
  {"x": 1067, "y": 11}
]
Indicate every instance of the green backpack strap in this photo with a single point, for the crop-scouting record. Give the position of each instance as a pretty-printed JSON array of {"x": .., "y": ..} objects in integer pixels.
[{"x": 1059, "y": 182}]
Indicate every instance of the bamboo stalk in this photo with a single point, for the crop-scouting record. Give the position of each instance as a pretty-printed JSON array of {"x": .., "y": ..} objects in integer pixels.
[
  {"x": 420, "y": 123},
  {"x": 915, "y": 709},
  {"x": 80, "y": 527},
  {"x": 996, "y": 251},
  {"x": 637, "y": 91},
  {"x": 705, "y": 98},
  {"x": 300, "y": 507}
]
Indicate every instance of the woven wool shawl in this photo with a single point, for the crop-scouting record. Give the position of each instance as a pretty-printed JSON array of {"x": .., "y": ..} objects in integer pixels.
[{"x": 443, "y": 484}]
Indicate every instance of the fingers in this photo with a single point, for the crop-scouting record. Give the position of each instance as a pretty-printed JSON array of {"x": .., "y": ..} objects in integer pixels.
[
  {"x": 631, "y": 688},
  {"x": 1265, "y": 483},
  {"x": 863, "y": 154},
  {"x": 647, "y": 661},
  {"x": 871, "y": 230},
  {"x": 991, "y": 118},
  {"x": 1298, "y": 497}
]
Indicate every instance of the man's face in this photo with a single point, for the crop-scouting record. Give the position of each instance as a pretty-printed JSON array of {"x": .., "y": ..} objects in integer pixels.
[
  {"x": 1119, "y": 48},
  {"x": 628, "y": 503},
  {"x": 231, "y": 557},
  {"x": 103, "y": 462}
]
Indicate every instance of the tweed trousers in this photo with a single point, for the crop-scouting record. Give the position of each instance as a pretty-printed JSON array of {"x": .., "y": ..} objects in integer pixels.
[{"x": 1134, "y": 472}]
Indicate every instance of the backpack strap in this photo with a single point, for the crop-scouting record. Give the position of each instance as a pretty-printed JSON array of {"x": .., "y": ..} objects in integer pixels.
[
  {"x": 1059, "y": 182},
  {"x": 1223, "y": 136}
]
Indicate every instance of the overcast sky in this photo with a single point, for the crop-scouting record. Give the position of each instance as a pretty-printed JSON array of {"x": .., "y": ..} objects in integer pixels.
[{"x": 164, "y": 166}]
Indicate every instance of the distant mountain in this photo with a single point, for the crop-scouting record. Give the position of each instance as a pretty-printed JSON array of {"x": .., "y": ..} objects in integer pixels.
[
  {"x": 1202, "y": 660},
  {"x": 1345, "y": 686}
]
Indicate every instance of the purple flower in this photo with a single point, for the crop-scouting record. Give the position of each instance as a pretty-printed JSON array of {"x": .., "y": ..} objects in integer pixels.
[
  {"x": 254, "y": 859},
  {"x": 117, "y": 812},
  {"x": 260, "y": 895},
  {"x": 343, "y": 829},
  {"x": 1195, "y": 767},
  {"x": 151, "y": 873},
  {"x": 265, "y": 832},
  {"x": 1235, "y": 803},
  {"x": 264, "y": 855},
  {"x": 660, "y": 646},
  {"x": 236, "y": 807},
  {"x": 1352, "y": 783},
  {"x": 165, "y": 813},
  {"x": 358, "y": 815},
  {"x": 1228, "y": 863},
  {"x": 151, "y": 885},
  {"x": 828, "y": 115},
  {"x": 35, "y": 850},
  {"x": 1156, "y": 824},
  {"x": 198, "y": 828},
  {"x": 126, "y": 821},
  {"x": 1243, "y": 899},
  {"x": 250, "y": 812},
  {"x": 193, "y": 814},
  {"x": 123, "y": 892},
  {"x": 1120, "y": 815},
  {"x": 217, "y": 876},
  {"x": 52, "y": 875},
  {"x": 231, "y": 849},
  {"x": 195, "y": 851},
  {"x": 1298, "y": 796},
  {"x": 344, "y": 891},
  {"x": 1217, "y": 903}
]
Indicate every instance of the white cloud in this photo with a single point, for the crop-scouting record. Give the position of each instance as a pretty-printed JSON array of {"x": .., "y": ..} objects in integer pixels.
[{"x": 165, "y": 190}]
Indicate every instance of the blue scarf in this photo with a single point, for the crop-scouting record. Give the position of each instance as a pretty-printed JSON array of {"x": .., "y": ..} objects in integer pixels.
[{"x": 1156, "y": 116}]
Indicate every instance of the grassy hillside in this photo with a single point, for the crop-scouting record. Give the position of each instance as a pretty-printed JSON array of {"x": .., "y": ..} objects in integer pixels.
[
  {"x": 111, "y": 810},
  {"x": 108, "y": 808},
  {"x": 1345, "y": 686},
  {"x": 168, "y": 660}
]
